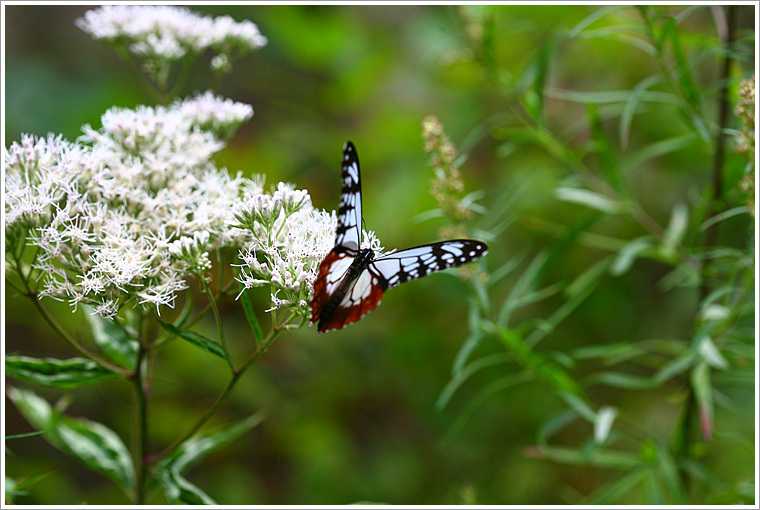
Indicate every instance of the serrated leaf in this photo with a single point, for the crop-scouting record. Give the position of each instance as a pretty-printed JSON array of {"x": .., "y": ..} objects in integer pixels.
[
  {"x": 92, "y": 443},
  {"x": 57, "y": 373},
  {"x": 196, "y": 339},
  {"x": 253, "y": 321},
  {"x": 587, "y": 198},
  {"x": 112, "y": 340}
]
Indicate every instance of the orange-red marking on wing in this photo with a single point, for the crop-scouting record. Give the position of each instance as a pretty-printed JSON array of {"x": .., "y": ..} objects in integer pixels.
[{"x": 346, "y": 315}]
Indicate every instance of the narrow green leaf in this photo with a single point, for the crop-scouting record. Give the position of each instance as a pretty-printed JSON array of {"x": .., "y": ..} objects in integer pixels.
[
  {"x": 92, "y": 443},
  {"x": 577, "y": 291},
  {"x": 612, "y": 96},
  {"x": 245, "y": 300},
  {"x": 617, "y": 489},
  {"x": 111, "y": 339},
  {"x": 632, "y": 105},
  {"x": 195, "y": 339},
  {"x": 674, "y": 367},
  {"x": 679, "y": 220},
  {"x": 196, "y": 448},
  {"x": 622, "y": 380},
  {"x": 736, "y": 211},
  {"x": 68, "y": 373},
  {"x": 685, "y": 79},
  {"x": 603, "y": 149},
  {"x": 605, "y": 417},
  {"x": 169, "y": 471},
  {"x": 522, "y": 285},
  {"x": 480, "y": 398},
  {"x": 711, "y": 354},
  {"x": 700, "y": 381},
  {"x": 656, "y": 150},
  {"x": 600, "y": 458},
  {"x": 587, "y": 198},
  {"x": 668, "y": 471},
  {"x": 472, "y": 341},
  {"x": 629, "y": 253},
  {"x": 179, "y": 491},
  {"x": 462, "y": 375},
  {"x": 595, "y": 15}
]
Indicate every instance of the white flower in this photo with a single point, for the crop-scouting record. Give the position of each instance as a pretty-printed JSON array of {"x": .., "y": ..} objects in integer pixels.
[
  {"x": 290, "y": 239},
  {"x": 168, "y": 32},
  {"x": 106, "y": 210}
]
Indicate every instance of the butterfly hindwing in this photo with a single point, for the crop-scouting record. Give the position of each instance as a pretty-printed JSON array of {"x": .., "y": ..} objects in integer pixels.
[
  {"x": 351, "y": 281},
  {"x": 405, "y": 265},
  {"x": 362, "y": 296},
  {"x": 332, "y": 271},
  {"x": 349, "y": 234}
]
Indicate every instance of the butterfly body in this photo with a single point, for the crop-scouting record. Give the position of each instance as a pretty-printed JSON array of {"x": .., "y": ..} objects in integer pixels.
[{"x": 351, "y": 280}]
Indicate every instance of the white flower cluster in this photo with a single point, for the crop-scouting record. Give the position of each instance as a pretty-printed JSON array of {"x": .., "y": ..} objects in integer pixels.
[
  {"x": 290, "y": 239},
  {"x": 162, "y": 32},
  {"x": 103, "y": 212}
]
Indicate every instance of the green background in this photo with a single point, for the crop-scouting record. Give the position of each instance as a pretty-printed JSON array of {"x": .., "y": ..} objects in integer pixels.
[{"x": 351, "y": 413}]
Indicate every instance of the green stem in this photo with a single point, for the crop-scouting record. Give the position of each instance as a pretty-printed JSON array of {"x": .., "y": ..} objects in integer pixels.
[
  {"x": 142, "y": 451},
  {"x": 217, "y": 318},
  {"x": 685, "y": 431},
  {"x": 211, "y": 411}
]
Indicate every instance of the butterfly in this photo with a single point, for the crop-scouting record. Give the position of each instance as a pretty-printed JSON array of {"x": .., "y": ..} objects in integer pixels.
[{"x": 351, "y": 280}]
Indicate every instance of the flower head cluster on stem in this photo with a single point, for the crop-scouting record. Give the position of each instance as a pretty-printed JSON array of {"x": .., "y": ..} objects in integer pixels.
[
  {"x": 110, "y": 214},
  {"x": 161, "y": 35},
  {"x": 290, "y": 239},
  {"x": 745, "y": 140}
]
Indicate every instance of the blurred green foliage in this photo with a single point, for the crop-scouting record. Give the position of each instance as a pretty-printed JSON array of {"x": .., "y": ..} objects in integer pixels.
[{"x": 536, "y": 98}]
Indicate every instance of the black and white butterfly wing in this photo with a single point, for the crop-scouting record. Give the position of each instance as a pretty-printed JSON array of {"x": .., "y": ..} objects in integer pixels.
[
  {"x": 349, "y": 232},
  {"x": 333, "y": 269},
  {"x": 351, "y": 282},
  {"x": 401, "y": 266}
]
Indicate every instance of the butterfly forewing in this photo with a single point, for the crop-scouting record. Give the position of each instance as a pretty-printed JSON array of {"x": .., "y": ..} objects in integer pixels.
[
  {"x": 332, "y": 271},
  {"x": 349, "y": 234},
  {"x": 362, "y": 296},
  {"x": 351, "y": 282},
  {"x": 402, "y": 266}
]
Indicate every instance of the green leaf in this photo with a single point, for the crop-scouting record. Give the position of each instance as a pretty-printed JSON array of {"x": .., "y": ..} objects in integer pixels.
[
  {"x": 600, "y": 458},
  {"x": 111, "y": 339},
  {"x": 196, "y": 339},
  {"x": 92, "y": 443},
  {"x": 57, "y": 373},
  {"x": 656, "y": 150},
  {"x": 461, "y": 375},
  {"x": 616, "y": 490},
  {"x": 603, "y": 149},
  {"x": 674, "y": 233},
  {"x": 245, "y": 300},
  {"x": 588, "y": 198},
  {"x": 197, "y": 447},
  {"x": 629, "y": 253},
  {"x": 605, "y": 417},
  {"x": 169, "y": 471},
  {"x": 632, "y": 105},
  {"x": 588, "y": 20},
  {"x": 703, "y": 394},
  {"x": 181, "y": 492},
  {"x": 522, "y": 285}
]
